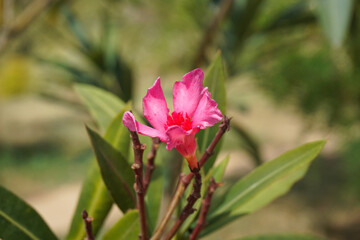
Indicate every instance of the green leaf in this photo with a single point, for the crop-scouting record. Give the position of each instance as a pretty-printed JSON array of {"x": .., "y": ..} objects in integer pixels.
[
  {"x": 155, "y": 190},
  {"x": 219, "y": 170},
  {"x": 102, "y": 105},
  {"x": 280, "y": 237},
  {"x": 215, "y": 81},
  {"x": 117, "y": 134},
  {"x": 264, "y": 184},
  {"x": 97, "y": 201},
  {"x": 20, "y": 221},
  {"x": 94, "y": 196},
  {"x": 127, "y": 228},
  {"x": 334, "y": 17},
  {"x": 115, "y": 170}
]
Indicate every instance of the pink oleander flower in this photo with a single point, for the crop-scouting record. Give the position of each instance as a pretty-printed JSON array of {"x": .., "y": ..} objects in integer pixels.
[{"x": 193, "y": 110}]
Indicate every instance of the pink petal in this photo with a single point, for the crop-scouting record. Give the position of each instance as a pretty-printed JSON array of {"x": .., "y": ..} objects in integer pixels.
[
  {"x": 206, "y": 113},
  {"x": 184, "y": 142},
  {"x": 179, "y": 138},
  {"x": 134, "y": 126},
  {"x": 155, "y": 107},
  {"x": 188, "y": 92}
]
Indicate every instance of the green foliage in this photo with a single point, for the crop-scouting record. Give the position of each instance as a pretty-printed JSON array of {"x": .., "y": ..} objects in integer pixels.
[
  {"x": 94, "y": 196},
  {"x": 218, "y": 171},
  {"x": 19, "y": 221},
  {"x": 101, "y": 64},
  {"x": 264, "y": 184},
  {"x": 215, "y": 81},
  {"x": 155, "y": 192},
  {"x": 316, "y": 86},
  {"x": 102, "y": 105},
  {"x": 97, "y": 201},
  {"x": 115, "y": 170},
  {"x": 127, "y": 228}
]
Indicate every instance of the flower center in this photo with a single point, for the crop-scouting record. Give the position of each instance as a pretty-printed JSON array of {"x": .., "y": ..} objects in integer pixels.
[{"x": 179, "y": 119}]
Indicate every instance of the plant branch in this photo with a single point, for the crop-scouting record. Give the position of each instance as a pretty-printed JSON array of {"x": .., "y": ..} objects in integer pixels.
[
  {"x": 204, "y": 209},
  {"x": 138, "y": 186},
  {"x": 150, "y": 165},
  {"x": 88, "y": 226},
  {"x": 184, "y": 181},
  {"x": 188, "y": 209}
]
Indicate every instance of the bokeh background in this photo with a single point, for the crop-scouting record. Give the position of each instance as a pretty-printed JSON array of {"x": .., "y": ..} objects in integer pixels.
[{"x": 293, "y": 71}]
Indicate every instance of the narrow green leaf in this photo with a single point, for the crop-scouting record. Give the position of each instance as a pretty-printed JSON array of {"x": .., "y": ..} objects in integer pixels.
[
  {"x": 127, "y": 228},
  {"x": 115, "y": 170},
  {"x": 334, "y": 17},
  {"x": 219, "y": 170},
  {"x": 271, "y": 179},
  {"x": 215, "y": 81},
  {"x": 97, "y": 201},
  {"x": 281, "y": 237},
  {"x": 102, "y": 105},
  {"x": 155, "y": 190},
  {"x": 117, "y": 134},
  {"x": 94, "y": 196},
  {"x": 18, "y": 220},
  {"x": 264, "y": 184}
]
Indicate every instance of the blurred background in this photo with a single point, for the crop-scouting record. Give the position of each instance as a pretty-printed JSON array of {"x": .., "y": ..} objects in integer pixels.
[{"x": 293, "y": 71}]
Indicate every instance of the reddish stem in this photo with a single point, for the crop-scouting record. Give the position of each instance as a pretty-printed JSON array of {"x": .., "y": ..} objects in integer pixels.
[
  {"x": 138, "y": 186},
  {"x": 88, "y": 226},
  {"x": 150, "y": 165},
  {"x": 188, "y": 209},
  {"x": 185, "y": 181},
  {"x": 204, "y": 209}
]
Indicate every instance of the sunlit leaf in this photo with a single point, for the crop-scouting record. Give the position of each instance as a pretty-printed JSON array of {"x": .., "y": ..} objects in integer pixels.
[
  {"x": 264, "y": 184},
  {"x": 219, "y": 170},
  {"x": 127, "y": 228},
  {"x": 20, "y": 221},
  {"x": 97, "y": 201}
]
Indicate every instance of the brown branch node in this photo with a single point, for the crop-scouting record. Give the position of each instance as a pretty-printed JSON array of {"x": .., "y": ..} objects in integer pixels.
[
  {"x": 88, "y": 226},
  {"x": 204, "y": 209},
  {"x": 188, "y": 209},
  {"x": 138, "y": 185}
]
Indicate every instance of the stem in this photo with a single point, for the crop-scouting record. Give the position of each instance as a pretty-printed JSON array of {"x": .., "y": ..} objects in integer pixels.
[
  {"x": 88, "y": 227},
  {"x": 138, "y": 186},
  {"x": 184, "y": 181},
  {"x": 204, "y": 209},
  {"x": 150, "y": 165},
  {"x": 188, "y": 209}
]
